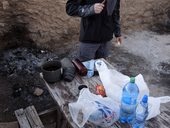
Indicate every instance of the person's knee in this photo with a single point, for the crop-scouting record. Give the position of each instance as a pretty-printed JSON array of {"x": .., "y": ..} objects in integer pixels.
[
  {"x": 86, "y": 56},
  {"x": 87, "y": 51}
]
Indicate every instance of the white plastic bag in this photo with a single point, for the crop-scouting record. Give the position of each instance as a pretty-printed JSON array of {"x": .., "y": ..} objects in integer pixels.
[
  {"x": 114, "y": 81},
  {"x": 154, "y": 105},
  {"x": 98, "y": 110}
]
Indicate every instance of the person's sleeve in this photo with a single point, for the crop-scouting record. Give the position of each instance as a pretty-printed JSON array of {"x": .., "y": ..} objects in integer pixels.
[
  {"x": 74, "y": 8},
  {"x": 116, "y": 20}
]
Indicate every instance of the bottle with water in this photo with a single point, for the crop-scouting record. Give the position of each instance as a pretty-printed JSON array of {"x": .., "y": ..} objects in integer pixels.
[
  {"x": 129, "y": 101},
  {"x": 141, "y": 113}
]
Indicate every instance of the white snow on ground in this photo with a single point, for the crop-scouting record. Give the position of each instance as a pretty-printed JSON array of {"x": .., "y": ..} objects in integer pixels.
[{"x": 153, "y": 47}]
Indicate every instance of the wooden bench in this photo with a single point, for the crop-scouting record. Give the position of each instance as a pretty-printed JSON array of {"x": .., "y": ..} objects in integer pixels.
[
  {"x": 64, "y": 93},
  {"x": 28, "y": 118}
]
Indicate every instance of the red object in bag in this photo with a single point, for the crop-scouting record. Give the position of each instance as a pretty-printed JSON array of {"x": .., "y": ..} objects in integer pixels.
[{"x": 100, "y": 90}]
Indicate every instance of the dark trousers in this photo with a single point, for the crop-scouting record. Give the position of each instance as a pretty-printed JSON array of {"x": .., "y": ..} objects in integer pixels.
[{"x": 90, "y": 51}]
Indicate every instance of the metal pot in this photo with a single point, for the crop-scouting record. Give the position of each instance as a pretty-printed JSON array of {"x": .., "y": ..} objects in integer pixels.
[{"x": 52, "y": 71}]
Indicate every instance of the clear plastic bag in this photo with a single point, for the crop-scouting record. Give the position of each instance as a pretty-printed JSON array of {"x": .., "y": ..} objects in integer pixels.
[
  {"x": 114, "y": 81},
  {"x": 154, "y": 105},
  {"x": 101, "y": 111}
]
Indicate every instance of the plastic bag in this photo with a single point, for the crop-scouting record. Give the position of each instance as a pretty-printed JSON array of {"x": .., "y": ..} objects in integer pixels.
[
  {"x": 114, "y": 81},
  {"x": 154, "y": 105},
  {"x": 98, "y": 110}
]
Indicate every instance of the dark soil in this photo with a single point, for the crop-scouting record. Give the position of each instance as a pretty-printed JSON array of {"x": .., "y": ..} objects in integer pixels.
[{"x": 19, "y": 77}]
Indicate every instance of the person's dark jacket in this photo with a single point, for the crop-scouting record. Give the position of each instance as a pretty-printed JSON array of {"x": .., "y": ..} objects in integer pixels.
[{"x": 95, "y": 28}]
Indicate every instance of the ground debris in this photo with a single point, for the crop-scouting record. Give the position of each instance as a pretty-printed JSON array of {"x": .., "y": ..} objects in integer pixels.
[{"x": 38, "y": 91}]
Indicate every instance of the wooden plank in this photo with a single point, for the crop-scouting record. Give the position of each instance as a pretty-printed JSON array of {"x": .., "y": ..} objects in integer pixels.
[
  {"x": 40, "y": 124},
  {"x": 59, "y": 118},
  {"x": 108, "y": 64},
  {"x": 122, "y": 125},
  {"x": 33, "y": 117},
  {"x": 22, "y": 119},
  {"x": 30, "y": 117},
  {"x": 50, "y": 110},
  {"x": 162, "y": 120}
]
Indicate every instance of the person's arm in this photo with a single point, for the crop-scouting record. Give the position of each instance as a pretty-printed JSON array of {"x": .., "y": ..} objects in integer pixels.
[
  {"x": 75, "y": 8},
  {"x": 116, "y": 20}
]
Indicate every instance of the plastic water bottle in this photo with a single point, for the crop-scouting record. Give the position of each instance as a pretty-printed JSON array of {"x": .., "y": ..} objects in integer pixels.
[
  {"x": 90, "y": 67},
  {"x": 129, "y": 101},
  {"x": 141, "y": 113}
]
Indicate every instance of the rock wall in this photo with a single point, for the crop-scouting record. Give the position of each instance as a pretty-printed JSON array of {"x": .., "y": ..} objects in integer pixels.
[
  {"x": 145, "y": 14},
  {"x": 44, "y": 23}
]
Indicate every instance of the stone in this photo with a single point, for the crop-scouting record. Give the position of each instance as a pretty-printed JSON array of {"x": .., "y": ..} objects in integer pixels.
[
  {"x": 38, "y": 91},
  {"x": 148, "y": 14},
  {"x": 5, "y": 5},
  {"x": 2, "y": 24}
]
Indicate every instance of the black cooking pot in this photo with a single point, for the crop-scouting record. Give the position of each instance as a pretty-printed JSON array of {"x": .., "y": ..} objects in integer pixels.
[{"x": 52, "y": 71}]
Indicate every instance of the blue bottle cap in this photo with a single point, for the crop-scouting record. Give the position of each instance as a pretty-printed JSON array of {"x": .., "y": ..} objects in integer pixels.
[{"x": 145, "y": 99}]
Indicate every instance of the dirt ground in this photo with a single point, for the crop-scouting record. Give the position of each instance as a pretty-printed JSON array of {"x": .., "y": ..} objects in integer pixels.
[
  {"x": 144, "y": 52},
  {"x": 19, "y": 80},
  {"x": 148, "y": 53},
  {"x": 8, "y": 103}
]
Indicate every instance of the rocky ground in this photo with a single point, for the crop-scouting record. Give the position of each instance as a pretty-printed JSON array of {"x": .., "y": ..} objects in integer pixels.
[
  {"x": 144, "y": 52},
  {"x": 147, "y": 53}
]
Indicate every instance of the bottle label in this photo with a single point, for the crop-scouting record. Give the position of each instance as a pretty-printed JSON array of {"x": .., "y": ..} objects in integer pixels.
[
  {"x": 139, "y": 109},
  {"x": 126, "y": 108},
  {"x": 141, "y": 113}
]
